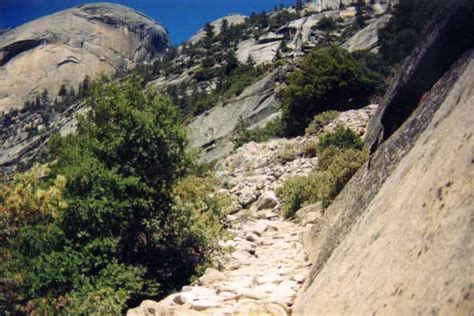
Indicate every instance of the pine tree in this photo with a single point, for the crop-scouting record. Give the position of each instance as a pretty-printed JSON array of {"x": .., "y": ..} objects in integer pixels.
[
  {"x": 45, "y": 98},
  {"x": 299, "y": 5},
  {"x": 224, "y": 33},
  {"x": 224, "y": 26},
  {"x": 72, "y": 94},
  {"x": 37, "y": 102},
  {"x": 62, "y": 91},
  {"x": 231, "y": 62},
  {"x": 208, "y": 35},
  {"x": 86, "y": 83},
  {"x": 360, "y": 19},
  {"x": 209, "y": 30}
]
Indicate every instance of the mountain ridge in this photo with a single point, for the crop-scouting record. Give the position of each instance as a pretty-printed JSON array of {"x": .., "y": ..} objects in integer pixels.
[{"x": 65, "y": 47}]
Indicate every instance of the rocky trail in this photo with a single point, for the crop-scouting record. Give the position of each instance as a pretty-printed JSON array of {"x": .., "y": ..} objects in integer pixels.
[{"x": 263, "y": 264}]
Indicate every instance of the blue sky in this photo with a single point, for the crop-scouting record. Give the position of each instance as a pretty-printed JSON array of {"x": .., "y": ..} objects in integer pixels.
[{"x": 182, "y": 17}]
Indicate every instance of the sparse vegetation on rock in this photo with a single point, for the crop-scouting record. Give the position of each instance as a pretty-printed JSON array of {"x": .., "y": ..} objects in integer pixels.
[
  {"x": 319, "y": 121},
  {"x": 340, "y": 155},
  {"x": 244, "y": 135}
]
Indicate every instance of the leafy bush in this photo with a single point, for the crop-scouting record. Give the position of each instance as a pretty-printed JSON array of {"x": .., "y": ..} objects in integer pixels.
[
  {"x": 292, "y": 194},
  {"x": 287, "y": 154},
  {"x": 340, "y": 156},
  {"x": 137, "y": 224},
  {"x": 206, "y": 73},
  {"x": 341, "y": 138},
  {"x": 245, "y": 135},
  {"x": 328, "y": 78},
  {"x": 281, "y": 18},
  {"x": 24, "y": 201},
  {"x": 319, "y": 121},
  {"x": 231, "y": 78},
  {"x": 204, "y": 204},
  {"x": 331, "y": 181},
  {"x": 28, "y": 210},
  {"x": 326, "y": 24},
  {"x": 309, "y": 149},
  {"x": 240, "y": 78}
]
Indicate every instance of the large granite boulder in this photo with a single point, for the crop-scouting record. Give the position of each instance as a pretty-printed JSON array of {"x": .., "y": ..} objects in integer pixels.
[{"x": 63, "y": 48}]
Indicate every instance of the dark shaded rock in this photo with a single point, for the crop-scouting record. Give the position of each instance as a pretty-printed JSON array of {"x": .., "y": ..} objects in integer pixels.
[{"x": 449, "y": 36}]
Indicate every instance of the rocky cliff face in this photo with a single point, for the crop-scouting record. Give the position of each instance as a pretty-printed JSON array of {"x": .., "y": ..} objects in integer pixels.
[
  {"x": 398, "y": 238},
  {"x": 259, "y": 103},
  {"x": 65, "y": 47}
]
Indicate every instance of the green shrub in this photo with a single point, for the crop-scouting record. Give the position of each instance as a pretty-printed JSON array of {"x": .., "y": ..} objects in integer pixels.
[
  {"x": 238, "y": 79},
  {"x": 206, "y": 73},
  {"x": 341, "y": 138},
  {"x": 331, "y": 181},
  {"x": 204, "y": 204},
  {"x": 281, "y": 18},
  {"x": 120, "y": 218},
  {"x": 326, "y": 24},
  {"x": 232, "y": 78},
  {"x": 292, "y": 195},
  {"x": 287, "y": 154},
  {"x": 309, "y": 149},
  {"x": 328, "y": 78},
  {"x": 243, "y": 134},
  {"x": 339, "y": 158},
  {"x": 321, "y": 120}
]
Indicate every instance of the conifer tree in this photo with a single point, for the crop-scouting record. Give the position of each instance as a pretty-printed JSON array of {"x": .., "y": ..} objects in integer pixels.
[
  {"x": 45, "y": 98},
  {"x": 299, "y": 5},
  {"x": 62, "y": 91},
  {"x": 360, "y": 19},
  {"x": 209, "y": 30}
]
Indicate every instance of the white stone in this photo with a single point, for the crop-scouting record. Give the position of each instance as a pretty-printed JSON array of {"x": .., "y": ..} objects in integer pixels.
[
  {"x": 211, "y": 276},
  {"x": 267, "y": 200},
  {"x": 269, "y": 278},
  {"x": 247, "y": 198}
]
